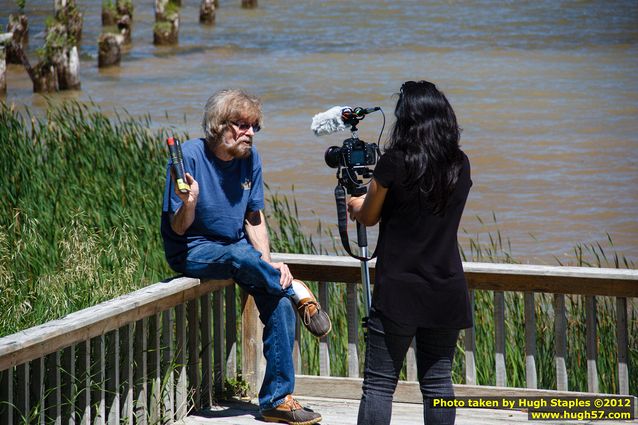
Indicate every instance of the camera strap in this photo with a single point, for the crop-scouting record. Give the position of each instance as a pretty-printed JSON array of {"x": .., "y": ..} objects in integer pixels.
[{"x": 342, "y": 218}]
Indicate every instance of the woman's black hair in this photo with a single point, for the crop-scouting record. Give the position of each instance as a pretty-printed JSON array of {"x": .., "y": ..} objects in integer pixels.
[{"x": 427, "y": 135}]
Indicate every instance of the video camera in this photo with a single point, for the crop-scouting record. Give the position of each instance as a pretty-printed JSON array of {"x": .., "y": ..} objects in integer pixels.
[{"x": 354, "y": 156}]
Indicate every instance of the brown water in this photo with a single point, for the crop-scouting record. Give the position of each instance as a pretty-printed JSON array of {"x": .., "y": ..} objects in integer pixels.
[{"x": 546, "y": 93}]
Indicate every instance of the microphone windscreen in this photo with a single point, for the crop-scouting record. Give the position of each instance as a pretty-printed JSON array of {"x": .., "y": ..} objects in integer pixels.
[{"x": 328, "y": 122}]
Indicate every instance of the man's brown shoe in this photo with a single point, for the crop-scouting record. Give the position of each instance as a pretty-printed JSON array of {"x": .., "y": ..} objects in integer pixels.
[
  {"x": 291, "y": 412},
  {"x": 313, "y": 317}
]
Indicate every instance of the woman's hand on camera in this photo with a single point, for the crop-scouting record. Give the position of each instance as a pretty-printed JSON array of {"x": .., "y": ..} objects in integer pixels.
[{"x": 354, "y": 206}]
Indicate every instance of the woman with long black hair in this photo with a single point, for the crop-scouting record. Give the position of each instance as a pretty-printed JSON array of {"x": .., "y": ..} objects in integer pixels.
[{"x": 418, "y": 192}]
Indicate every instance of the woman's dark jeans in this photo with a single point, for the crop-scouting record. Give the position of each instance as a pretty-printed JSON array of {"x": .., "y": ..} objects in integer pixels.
[{"x": 387, "y": 345}]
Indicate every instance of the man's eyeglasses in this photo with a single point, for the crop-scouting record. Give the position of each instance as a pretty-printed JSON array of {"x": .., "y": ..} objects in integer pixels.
[{"x": 244, "y": 126}]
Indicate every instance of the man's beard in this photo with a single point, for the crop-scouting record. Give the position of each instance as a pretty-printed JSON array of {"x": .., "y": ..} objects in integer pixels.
[{"x": 240, "y": 151}]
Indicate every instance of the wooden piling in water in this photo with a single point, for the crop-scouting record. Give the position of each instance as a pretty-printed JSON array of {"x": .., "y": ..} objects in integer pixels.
[
  {"x": 109, "y": 47},
  {"x": 4, "y": 38},
  {"x": 207, "y": 12},
  {"x": 18, "y": 26},
  {"x": 248, "y": 4},
  {"x": 166, "y": 28}
]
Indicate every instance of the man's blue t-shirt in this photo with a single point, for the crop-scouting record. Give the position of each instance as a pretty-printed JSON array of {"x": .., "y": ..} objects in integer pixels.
[{"x": 227, "y": 190}]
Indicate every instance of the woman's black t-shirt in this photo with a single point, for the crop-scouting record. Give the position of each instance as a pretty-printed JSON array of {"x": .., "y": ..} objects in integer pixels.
[{"x": 419, "y": 276}]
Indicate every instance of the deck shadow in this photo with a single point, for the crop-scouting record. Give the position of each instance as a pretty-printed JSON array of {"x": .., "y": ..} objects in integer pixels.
[{"x": 228, "y": 409}]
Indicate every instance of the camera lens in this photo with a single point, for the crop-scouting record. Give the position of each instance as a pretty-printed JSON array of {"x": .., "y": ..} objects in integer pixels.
[{"x": 333, "y": 156}]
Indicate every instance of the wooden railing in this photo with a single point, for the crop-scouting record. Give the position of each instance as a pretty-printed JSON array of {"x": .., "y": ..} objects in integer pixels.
[
  {"x": 153, "y": 355},
  {"x": 146, "y": 357}
]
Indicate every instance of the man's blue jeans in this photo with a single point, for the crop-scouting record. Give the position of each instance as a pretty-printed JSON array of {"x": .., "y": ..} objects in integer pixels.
[
  {"x": 241, "y": 262},
  {"x": 387, "y": 345}
]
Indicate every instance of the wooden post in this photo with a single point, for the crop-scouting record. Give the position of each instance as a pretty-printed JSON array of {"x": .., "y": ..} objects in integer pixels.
[
  {"x": 560, "y": 336},
  {"x": 84, "y": 382},
  {"x": 124, "y": 26},
  {"x": 499, "y": 340},
  {"x": 231, "y": 332},
  {"x": 352, "y": 308},
  {"x": 69, "y": 70},
  {"x": 4, "y": 40},
  {"x": 166, "y": 28},
  {"x": 219, "y": 349},
  {"x": 7, "y": 396},
  {"x": 113, "y": 377},
  {"x": 154, "y": 376},
  {"x": 252, "y": 345},
  {"x": 127, "y": 337},
  {"x": 52, "y": 389},
  {"x": 207, "y": 351},
  {"x": 207, "y": 12},
  {"x": 37, "y": 388},
  {"x": 181, "y": 390},
  {"x": 622, "y": 337},
  {"x": 193, "y": 351},
  {"x": 140, "y": 374},
  {"x": 98, "y": 391},
  {"x": 18, "y": 26},
  {"x": 530, "y": 341},
  {"x": 324, "y": 342},
  {"x": 248, "y": 4},
  {"x": 68, "y": 14},
  {"x": 592, "y": 350},
  {"x": 69, "y": 392},
  {"x": 109, "y": 13},
  {"x": 470, "y": 349},
  {"x": 109, "y": 48},
  {"x": 168, "y": 353}
]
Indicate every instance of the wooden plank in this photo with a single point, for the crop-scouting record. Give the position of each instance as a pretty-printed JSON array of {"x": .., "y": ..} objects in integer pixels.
[
  {"x": 140, "y": 373},
  {"x": 592, "y": 350},
  {"x": 167, "y": 369},
  {"x": 324, "y": 343},
  {"x": 68, "y": 385},
  {"x": 181, "y": 388},
  {"x": 98, "y": 355},
  {"x": 531, "y": 378},
  {"x": 53, "y": 389},
  {"x": 55, "y": 335},
  {"x": 219, "y": 349},
  {"x": 231, "y": 332},
  {"x": 36, "y": 392},
  {"x": 470, "y": 349},
  {"x": 84, "y": 382},
  {"x": 622, "y": 338},
  {"x": 408, "y": 392},
  {"x": 127, "y": 377},
  {"x": 6, "y": 396},
  {"x": 252, "y": 362},
  {"x": 560, "y": 344},
  {"x": 154, "y": 376},
  {"x": 352, "y": 311},
  {"x": 499, "y": 339},
  {"x": 296, "y": 351},
  {"x": 485, "y": 276},
  {"x": 193, "y": 351},
  {"x": 207, "y": 351},
  {"x": 23, "y": 405},
  {"x": 411, "y": 370},
  {"x": 113, "y": 377}
]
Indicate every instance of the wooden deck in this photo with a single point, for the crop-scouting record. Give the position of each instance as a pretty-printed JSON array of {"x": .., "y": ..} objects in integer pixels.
[{"x": 344, "y": 412}]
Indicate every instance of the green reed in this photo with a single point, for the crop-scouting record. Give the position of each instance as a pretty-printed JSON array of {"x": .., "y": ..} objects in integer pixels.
[
  {"x": 79, "y": 224},
  {"x": 491, "y": 246}
]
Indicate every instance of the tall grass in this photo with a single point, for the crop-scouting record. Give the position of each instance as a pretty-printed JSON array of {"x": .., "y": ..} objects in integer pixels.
[
  {"x": 79, "y": 224},
  {"x": 79, "y": 211}
]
